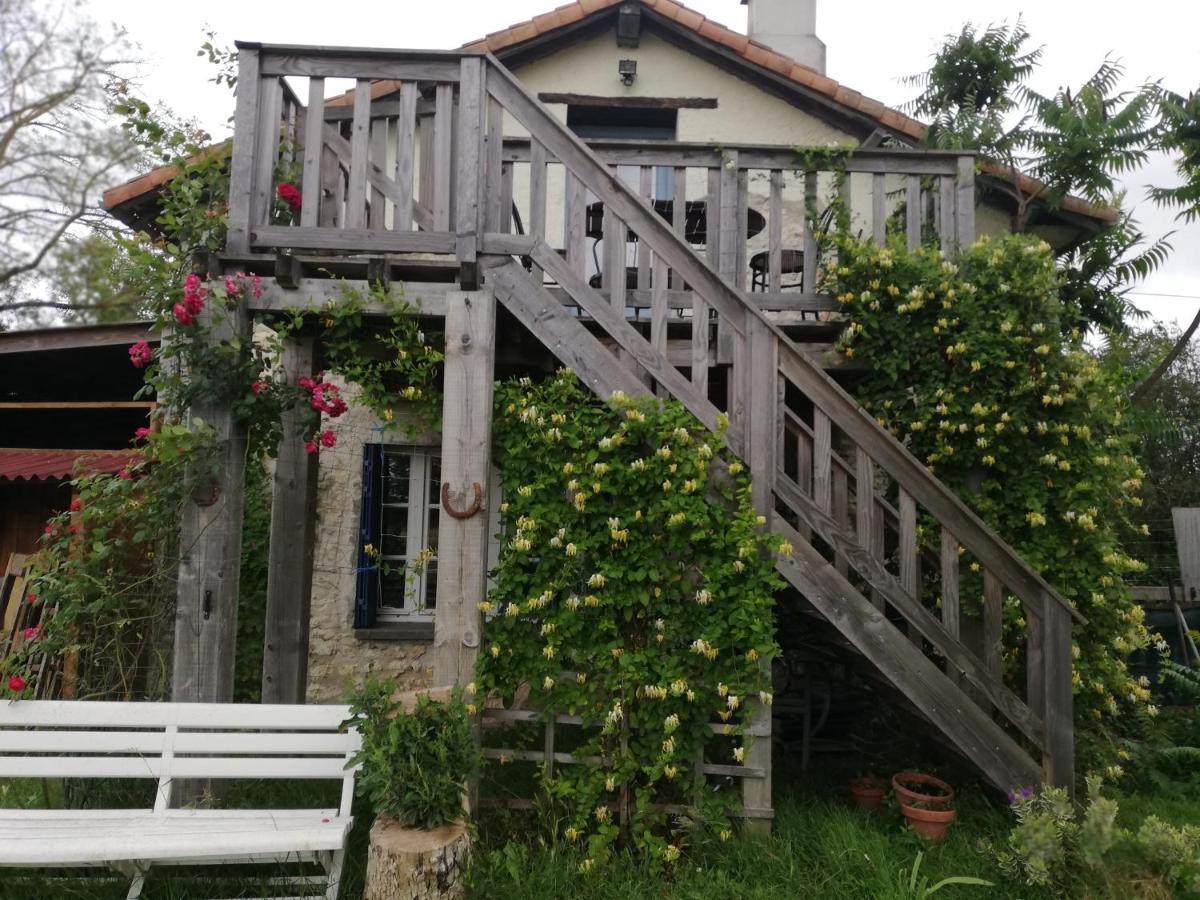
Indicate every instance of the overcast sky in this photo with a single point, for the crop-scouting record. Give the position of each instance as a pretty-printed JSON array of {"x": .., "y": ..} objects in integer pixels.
[{"x": 870, "y": 46}]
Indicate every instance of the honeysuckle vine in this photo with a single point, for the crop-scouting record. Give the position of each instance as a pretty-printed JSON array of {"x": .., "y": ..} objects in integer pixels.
[
  {"x": 973, "y": 366},
  {"x": 635, "y": 589}
]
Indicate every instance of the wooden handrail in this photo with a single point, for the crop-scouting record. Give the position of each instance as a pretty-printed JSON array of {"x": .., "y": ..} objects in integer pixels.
[{"x": 756, "y": 156}]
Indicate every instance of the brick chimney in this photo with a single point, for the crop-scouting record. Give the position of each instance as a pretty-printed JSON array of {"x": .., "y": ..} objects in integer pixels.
[{"x": 788, "y": 26}]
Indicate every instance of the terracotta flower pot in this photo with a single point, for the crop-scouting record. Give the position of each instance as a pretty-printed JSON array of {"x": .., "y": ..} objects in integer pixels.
[
  {"x": 933, "y": 823},
  {"x": 917, "y": 788},
  {"x": 868, "y": 792},
  {"x": 927, "y": 803}
]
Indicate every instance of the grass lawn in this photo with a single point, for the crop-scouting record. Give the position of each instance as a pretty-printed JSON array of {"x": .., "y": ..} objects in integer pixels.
[{"x": 822, "y": 847}]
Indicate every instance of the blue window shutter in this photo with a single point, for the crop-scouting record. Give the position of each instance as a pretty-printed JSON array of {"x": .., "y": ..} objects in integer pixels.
[{"x": 366, "y": 589}]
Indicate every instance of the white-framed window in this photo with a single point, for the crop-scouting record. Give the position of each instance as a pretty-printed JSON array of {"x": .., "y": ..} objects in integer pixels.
[
  {"x": 410, "y": 508},
  {"x": 399, "y": 519}
]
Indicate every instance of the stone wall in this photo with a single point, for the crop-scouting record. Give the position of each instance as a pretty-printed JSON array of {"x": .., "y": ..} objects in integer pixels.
[{"x": 336, "y": 657}]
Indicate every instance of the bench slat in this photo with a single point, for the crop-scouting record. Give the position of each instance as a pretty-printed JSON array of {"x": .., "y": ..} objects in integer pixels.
[
  {"x": 231, "y": 743},
  {"x": 118, "y": 815},
  {"x": 187, "y": 767},
  {"x": 102, "y": 714},
  {"x": 85, "y": 825},
  {"x": 156, "y": 843}
]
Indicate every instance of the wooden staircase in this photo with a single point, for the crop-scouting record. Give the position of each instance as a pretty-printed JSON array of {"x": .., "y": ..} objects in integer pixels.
[{"x": 883, "y": 550}]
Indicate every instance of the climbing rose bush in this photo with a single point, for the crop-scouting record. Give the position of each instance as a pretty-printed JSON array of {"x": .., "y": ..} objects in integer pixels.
[
  {"x": 635, "y": 590},
  {"x": 972, "y": 367}
]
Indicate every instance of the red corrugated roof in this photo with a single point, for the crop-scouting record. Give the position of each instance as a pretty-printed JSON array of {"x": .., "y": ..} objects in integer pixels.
[{"x": 56, "y": 464}]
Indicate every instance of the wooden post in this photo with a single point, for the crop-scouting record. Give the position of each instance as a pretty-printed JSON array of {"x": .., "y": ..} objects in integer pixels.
[
  {"x": 210, "y": 548},
  {"x": 468, "y": 212},
  {"x": 245, "y": 144},
  {"x": 964, "y": 208},
  {"x": 466, "y": 458},
  {"x": 763, "y": 374},
  {"x": 293, "y": 529},
  {"x": 1057, "y": 711},
  {"x": 1187, "y": 543}
]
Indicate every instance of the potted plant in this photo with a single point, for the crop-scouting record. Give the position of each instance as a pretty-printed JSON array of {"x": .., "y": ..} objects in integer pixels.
[
  {"x": 927, "y": 803},
  {"x": 417, "y": 754},
  {"x": 868, "y": 791}
]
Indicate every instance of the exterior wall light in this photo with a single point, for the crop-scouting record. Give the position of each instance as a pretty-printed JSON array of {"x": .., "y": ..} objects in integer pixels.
[{"x": 627, "y": 69}]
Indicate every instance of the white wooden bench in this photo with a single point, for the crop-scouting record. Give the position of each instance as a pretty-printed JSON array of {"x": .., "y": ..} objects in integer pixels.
[{"x": 165, "y": 742}]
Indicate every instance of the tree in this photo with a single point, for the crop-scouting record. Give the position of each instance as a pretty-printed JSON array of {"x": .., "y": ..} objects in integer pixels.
[
  {"x": 1075, "y": 141},
  {"x": 1167, "y": 419},
  {"x": 1181, "y": 135},
  {"x": 58, "y": 146}
]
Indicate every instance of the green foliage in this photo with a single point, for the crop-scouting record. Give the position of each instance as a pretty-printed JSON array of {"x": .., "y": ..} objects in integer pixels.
[
  {"x": 252, "y": 583},
  {"x": 1167, "y": 420},
  {"x": 1050, "y": 843},
  {"x": 1174, "y": 851},
  {"x": 635, "y": 590},
  {"x": 918, "y": 885},
  {"x": 1181, "y": 139},
  {"x": 415, "y": 764},
  {"x": 973, "y": 85},
  {"x": 386, "y": 357},
  {"x": 1074, "y": 141},
  {"x": 972, "y": 368}
]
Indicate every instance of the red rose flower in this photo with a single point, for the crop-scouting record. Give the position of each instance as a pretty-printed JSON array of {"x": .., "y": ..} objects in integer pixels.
[
  {"x": 16, "y": 684},
  {"x": 257, "y": 387},
  {"x": 140, "y": 355},
  {"x": 31, "y": 598},
  {"x": 194, "y": 304},
  {"x": 328, "y": 439},
  {"x": 290, "y": 194},
  {"x": 76, "y": 504},
  {"x": 310, "y": 446},
  {"x": 141, "y": 434},
  {"x": 182, "y": 316},
  {"x": 32, "y": 634}
]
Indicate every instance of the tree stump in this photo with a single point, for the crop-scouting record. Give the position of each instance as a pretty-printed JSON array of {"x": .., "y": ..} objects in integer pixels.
[{"x": 413, "y": 864}]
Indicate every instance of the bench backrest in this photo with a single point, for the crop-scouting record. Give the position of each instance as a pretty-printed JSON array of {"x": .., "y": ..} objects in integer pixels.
[{"x": 166, "y": 741}]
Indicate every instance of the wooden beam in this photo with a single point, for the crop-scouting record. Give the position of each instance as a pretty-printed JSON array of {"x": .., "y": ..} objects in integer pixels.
[
  {"x": 753, "y": 156},
  {"x": 629, "y": 102},
  {"x": 293, "y": 531},
  {"x": 81, "y": 404},
  {"x": 429, "y": 297},
  {"x": 75, "y": 338},
  {"x": 466, "y": 465}
]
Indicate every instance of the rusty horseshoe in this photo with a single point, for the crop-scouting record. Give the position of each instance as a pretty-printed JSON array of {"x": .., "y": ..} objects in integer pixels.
[{"x": 467, "y": 513}]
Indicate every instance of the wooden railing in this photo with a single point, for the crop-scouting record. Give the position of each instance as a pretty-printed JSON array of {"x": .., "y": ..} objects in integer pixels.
[{"x": 880, "y": 544}]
